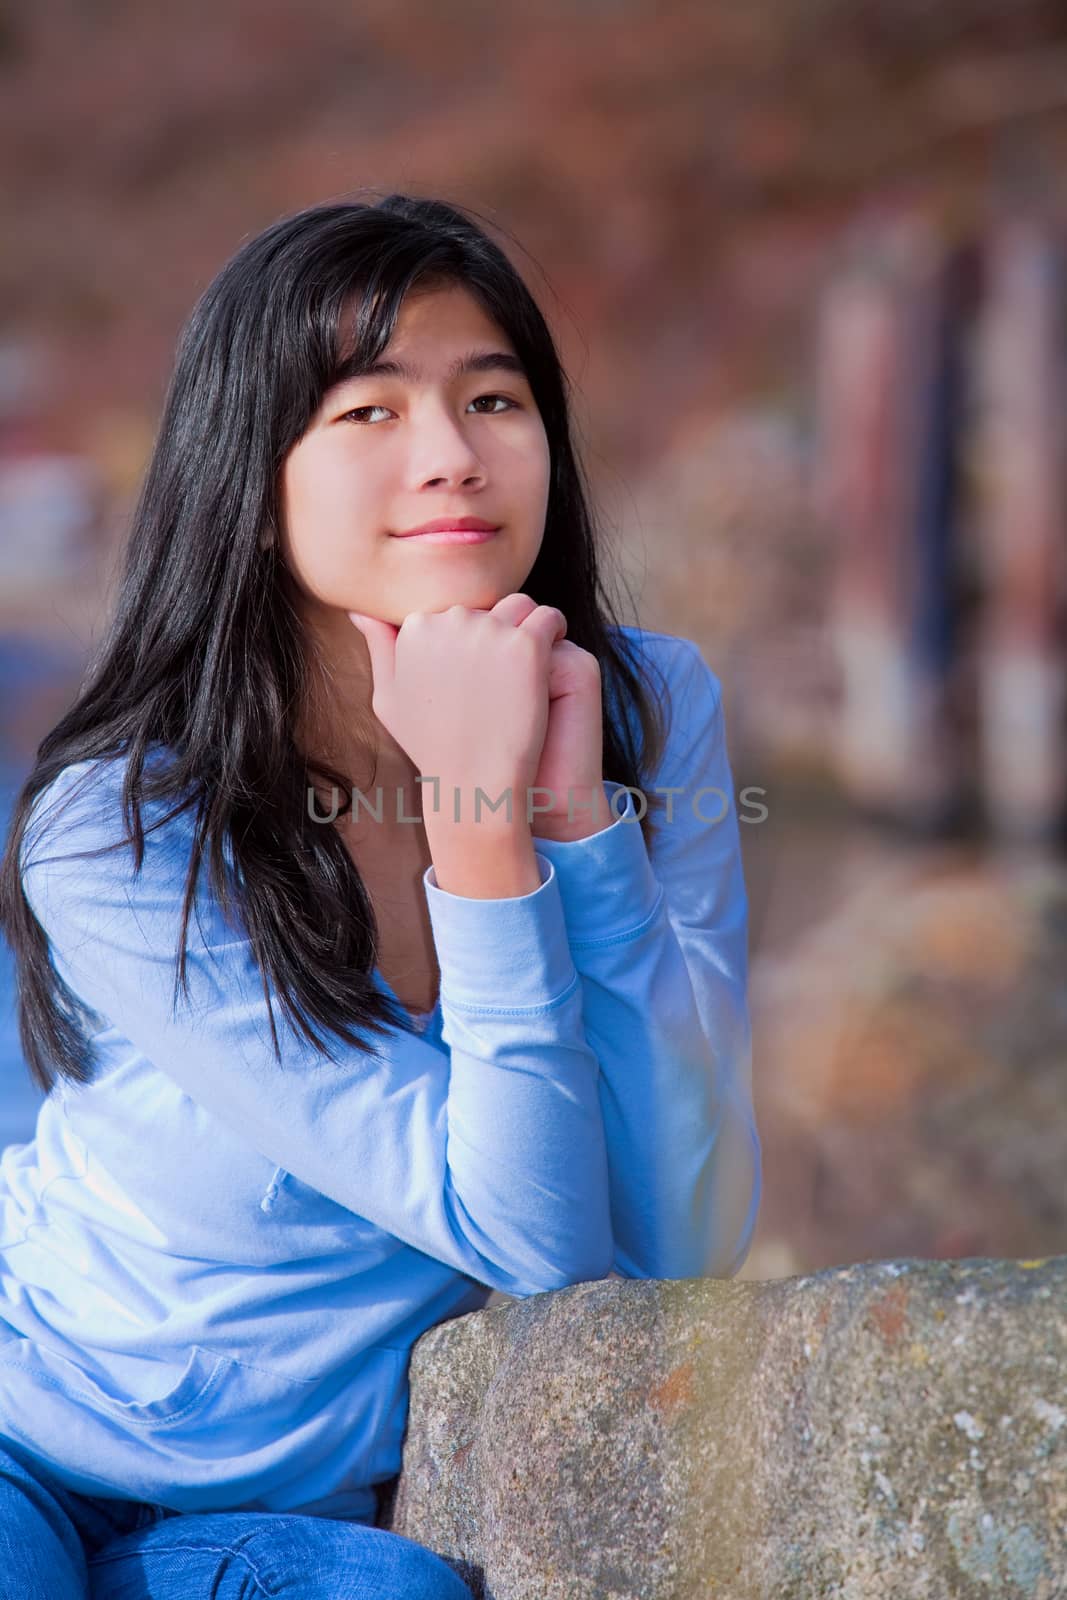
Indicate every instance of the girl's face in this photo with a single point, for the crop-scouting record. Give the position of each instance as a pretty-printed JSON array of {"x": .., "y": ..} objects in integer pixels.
[{"x": 387, "y": 452}]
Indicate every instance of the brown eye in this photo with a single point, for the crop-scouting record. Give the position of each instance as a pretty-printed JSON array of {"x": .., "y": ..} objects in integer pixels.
[
  {"x": 510, "y": 404},
  {"x": 358, "y": 412}
]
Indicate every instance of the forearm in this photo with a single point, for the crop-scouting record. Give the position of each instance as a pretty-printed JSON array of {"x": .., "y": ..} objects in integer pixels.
[
  {"x": 592, "y": 814},
  {"x": 667, "y": 993},
  {"x": 484, "y": 860}
]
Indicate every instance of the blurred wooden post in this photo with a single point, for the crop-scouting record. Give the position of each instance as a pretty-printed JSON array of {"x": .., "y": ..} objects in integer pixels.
[
  {"x": 887, "y": 401},
  {"x": 943, "y": 302},
  {"x": 1022, "y": 531}
]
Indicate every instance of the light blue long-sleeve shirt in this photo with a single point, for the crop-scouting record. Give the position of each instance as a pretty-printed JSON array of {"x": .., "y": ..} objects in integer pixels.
[{"x": 213, "y": 1267}]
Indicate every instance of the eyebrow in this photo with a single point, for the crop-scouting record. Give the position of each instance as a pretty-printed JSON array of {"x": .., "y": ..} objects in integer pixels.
[{"x": 473, "y": 361}]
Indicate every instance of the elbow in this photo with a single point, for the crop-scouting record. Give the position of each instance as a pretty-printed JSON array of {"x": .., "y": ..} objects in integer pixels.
[
  {"x": 727, "y": 1199},
  {"x": 520, "y": 1259},
  {"x": 545, "y": 1276},
  {"x": 590, "y": 1270},
  {"x": 588, "y": 1267},
  {"x": 709, "y": 1232}
]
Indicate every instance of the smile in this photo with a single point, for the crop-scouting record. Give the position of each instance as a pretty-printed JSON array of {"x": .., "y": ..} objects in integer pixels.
[{"x": 450, "y": 536}]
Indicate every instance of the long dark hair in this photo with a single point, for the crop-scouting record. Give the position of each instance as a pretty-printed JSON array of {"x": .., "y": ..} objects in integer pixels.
[{"x": 205, "y": 652}]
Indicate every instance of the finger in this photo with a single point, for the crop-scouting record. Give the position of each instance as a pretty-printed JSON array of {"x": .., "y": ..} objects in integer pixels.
[
  {"x": 381, "y": 646},
  {"x": 513, "y": 608},
  {"x": 571, "y": 668},
  {"x": 547, "y": 622}
]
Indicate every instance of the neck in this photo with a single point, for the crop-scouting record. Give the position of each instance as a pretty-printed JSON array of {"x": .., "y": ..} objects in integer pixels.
[{"x": 337, "y": 724}]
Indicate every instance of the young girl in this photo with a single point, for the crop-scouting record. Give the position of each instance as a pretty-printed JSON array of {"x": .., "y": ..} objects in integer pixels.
[{"x": 380, "y": 927}]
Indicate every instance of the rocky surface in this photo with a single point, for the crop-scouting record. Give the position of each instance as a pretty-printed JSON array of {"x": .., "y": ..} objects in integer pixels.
[{"x": 894, "y": 1428}]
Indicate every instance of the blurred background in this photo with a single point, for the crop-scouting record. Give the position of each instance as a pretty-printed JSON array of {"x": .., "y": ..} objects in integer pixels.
[{"x": 805, "y": 263}]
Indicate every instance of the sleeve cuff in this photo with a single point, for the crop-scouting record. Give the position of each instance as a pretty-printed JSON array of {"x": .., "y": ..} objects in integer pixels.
[
  {"x": 502, "y": 954},
  {"x": 606, "y": 883}
]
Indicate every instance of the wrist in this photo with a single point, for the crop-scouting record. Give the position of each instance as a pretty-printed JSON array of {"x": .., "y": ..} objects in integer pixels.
[
  {"x": 450, "y": 803},
  {"x": 587, "y": 811},
  {"x": 484, "y": 863}
]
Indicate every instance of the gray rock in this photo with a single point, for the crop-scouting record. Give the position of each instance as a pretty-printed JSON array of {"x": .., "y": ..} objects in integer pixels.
[{"x": 890, "y": 1429}]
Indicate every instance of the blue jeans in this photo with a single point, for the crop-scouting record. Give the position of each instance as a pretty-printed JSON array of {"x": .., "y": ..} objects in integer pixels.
[{"x": 57, "y": 1545}]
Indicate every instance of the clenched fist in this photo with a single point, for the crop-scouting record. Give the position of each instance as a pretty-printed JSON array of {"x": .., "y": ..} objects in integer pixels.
[{"x": 465, "y": 693}]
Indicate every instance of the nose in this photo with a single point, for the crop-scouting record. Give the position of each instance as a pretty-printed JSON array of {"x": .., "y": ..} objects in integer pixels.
[{"x": 443, "y": 453}]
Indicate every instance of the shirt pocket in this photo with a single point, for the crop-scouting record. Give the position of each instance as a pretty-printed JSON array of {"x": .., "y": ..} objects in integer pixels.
[
  {"x": 182, "y": 1393},
  {"x": 216, "y": 1417},
  {"x": 290, "y": 1203}
]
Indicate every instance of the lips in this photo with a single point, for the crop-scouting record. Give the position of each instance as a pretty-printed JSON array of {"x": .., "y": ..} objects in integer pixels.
[{"x": 450, "y": 525}]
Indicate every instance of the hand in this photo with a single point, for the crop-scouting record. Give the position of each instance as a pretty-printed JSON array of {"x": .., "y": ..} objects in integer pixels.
[
  {"x": 572, "y": 754},
  {"x": 464, "y": 693}
]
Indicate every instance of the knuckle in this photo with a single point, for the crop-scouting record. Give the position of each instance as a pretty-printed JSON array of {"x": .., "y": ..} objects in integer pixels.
[{"x": 522, "y": 643}]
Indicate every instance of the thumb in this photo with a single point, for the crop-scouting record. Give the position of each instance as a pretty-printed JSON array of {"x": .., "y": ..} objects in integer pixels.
[{"x": 381, "y": 645}]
